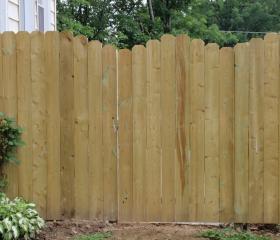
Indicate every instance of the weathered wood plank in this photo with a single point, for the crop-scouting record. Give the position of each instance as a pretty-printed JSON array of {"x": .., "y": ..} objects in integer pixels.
[
  {"x": 183, "y": 120},
  {"x": 271, "y": 118},
  {"x": 226, "y": 135},
  {"x": 95, "y": 130},
  {"x": 81, "y": 184},
  {"x": 24, "y": 114},
  {"x": 53, "y": 125},
  {"x": 153, "y": 160},
  {"x": 196, "y": 198},
  {"x": 39, "y": 121},
  {"x": 241, "y": 163},
  {"x": 139, "y": 79},
  {"x": 125, "y": 135},
  {"x": 109, "y": 148},
  {"x": 168, "y": 125},
  {"x": 67, "y": 155},
  {"x": 212, "y": 93},
  {"x": 256, "y": 128}
]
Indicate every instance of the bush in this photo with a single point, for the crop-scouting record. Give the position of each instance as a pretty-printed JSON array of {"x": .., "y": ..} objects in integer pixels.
[
  {"x": 18, "y": 219},
  {"x": 10, "y": 139}
]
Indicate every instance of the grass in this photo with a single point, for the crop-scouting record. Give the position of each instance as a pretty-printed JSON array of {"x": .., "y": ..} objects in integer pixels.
[
  {"x": 230, "y": 234},
  {"x": 96, "y": 236}
]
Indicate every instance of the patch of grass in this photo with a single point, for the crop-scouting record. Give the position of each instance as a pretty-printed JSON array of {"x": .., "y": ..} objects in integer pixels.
[
  {"x": 230, "y": 234},
  {"x": 96, "y": 236}
]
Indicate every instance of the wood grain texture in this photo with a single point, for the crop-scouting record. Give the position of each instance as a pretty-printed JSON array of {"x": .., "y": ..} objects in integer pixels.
[
  {"x": 226, "y": 135},
  {"x": 109, "y": 144},
  {"x": 241, "y": 164},
  {"x": 139, "y": 80},
  {"x": 39, "y": 121},
  {"x": 10, "y": 99},
  {"x": 212, "y": 97},
  {"x": 24, "y": 114},
  {"x": 168, "y": 125},
  {"x": 153, "y": 160},
  {"x": 67, "y": 155},
  {"x": 183, "y": 121},
  {"x": 95, "y": 130},
  {"x": 271, "y": 138},
  {"x": 53, "y": 125},
  {"x": 256, "y": 130},
  {"x": 125, "y": 135},
  {"x": 197, "y": 66},
  {"x": 81, "y": 183}
]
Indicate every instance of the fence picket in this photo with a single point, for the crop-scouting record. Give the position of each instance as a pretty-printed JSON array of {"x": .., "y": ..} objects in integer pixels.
[
  {"x": 67, "y": 155},
  {"x": 241, "y": 162},
  {"x": 271, "y": 141},
  {"x": 95, "y": 130},
  {"x": 226, "y": 135},
  {"x": 256, "y": 128},
  {"x": 139, "y": 80},
  {"x": 39, "y": 121},
  {"x": 24, "y": 113},
  {"x": 125, "y": 135},
  {"x": 109, "y": 146}
]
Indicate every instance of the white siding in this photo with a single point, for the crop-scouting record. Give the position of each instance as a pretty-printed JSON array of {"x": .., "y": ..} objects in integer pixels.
[
  {"x": 13, "y": 15},
  {"x": 22, "y": 15}
]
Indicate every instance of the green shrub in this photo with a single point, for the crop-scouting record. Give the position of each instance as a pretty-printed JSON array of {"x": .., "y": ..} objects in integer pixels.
[
  {"x": 230, "y": 234},
  {"x": 10, "y": 139},
  {"x": 18, "y": 219}
]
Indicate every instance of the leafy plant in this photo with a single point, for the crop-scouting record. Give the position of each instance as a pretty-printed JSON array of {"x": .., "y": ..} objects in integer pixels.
[
  {"x": 230, "y": 234},
  {"x": 10, "y": 139},
  {"x": 18, "y": 219},
  {"x": 97, "y": 236}
]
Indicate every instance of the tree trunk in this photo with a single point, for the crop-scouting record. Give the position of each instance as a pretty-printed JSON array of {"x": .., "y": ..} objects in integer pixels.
[{"x": 151, "y": 11}]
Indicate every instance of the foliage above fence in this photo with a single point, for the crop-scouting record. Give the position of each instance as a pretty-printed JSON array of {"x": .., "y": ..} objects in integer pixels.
[{"x": 172, "y": 131}]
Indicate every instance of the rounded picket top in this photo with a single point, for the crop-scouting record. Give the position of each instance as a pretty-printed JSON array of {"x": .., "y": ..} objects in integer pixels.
[
  {"x": 137, "y": 48},
  {"x": 109, "y": 47},
  {"x": 82, "y": 39},
  {"x": 124, "y": 51},
  {"x": 255, "y": 40},
  {"x": 152, "y": 42},
  {"x": 183, "y": 38},
  {"x": 271, "y": 37},
  {"x": 212, "y": 46},
  {"x": 226, "y": 49},
  {"x": 198, "y": 41},
  {"x": 167, "y": 37},
  {"x": 22, "y": 34},
  {"x": 95, "y": 44},
  {"x": 66, "y": 35},
  {"x": 241, "y": 46}
]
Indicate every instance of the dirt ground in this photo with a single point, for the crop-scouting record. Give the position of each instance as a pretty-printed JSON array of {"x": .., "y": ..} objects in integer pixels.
[{"x": 68, "y": 229}]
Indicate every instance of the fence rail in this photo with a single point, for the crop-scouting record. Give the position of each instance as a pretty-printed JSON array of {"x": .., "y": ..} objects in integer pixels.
[{"x": 174, "y": 131}]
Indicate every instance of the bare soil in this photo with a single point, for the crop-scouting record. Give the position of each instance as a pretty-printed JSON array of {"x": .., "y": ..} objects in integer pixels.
[{"x": 64, "y": 230}]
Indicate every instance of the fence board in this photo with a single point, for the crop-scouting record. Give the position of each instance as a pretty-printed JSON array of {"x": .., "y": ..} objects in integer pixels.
[
  {"x": 173, "y": 132},
  {"x": 256, "y": 121},
  {"x": 271, "y": 141},
  {"x": 81, "y": 127},
  {"x": 125, "y": 135},
  {"x": 196, "y": 199},
  {"x": 168, "y": 125},
  {"x": 109, "y": 109},
  {"x": 39, "y": 87},
  {"x": 66, "y": 89},
  {"x": 95, "y": 130},
  {"x": 153, "y": 160},
  {"x": 226, "y": 134},
  {"x": 242, "y": 78},
  {"x": 139, "y": 79},
  {"x": 10, "y": 99},
  {"x": 212, "y": 94},
  {"x": 24, "y": 113},
  {"x": 183, "y": 98},
  {"x": 53, "y": 125}
]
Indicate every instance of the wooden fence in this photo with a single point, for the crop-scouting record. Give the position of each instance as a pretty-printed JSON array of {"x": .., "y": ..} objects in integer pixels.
[{"x": 177, "y": 131}]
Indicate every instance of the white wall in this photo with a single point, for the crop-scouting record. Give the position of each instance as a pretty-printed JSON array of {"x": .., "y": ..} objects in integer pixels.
[{"x": 20, "y": 15}]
